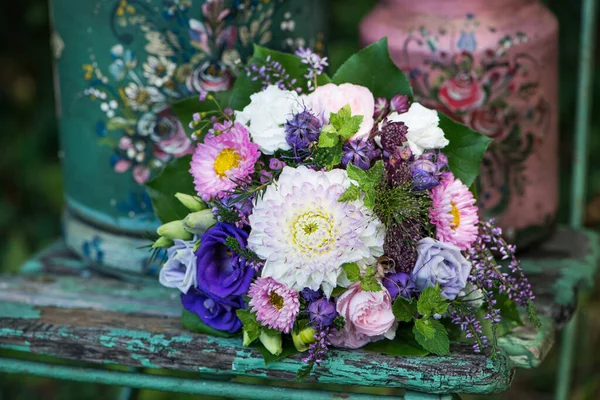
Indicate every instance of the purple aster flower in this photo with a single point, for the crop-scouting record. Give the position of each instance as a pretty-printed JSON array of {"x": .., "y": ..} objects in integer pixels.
[
  {"x": 221, "y": 272},
  {"x": 425, "y": 174},
  {"x": 302, "y": 129},
  {"x": 382, "y": 106},
  {"x": 218, "y": 314},
  {"x": 399, "y": 283},
  {"x": 310, "y": 295},
  {"x": 180, "y": 269},
  {"x": 360, "y": 153},
  {"x": 322, "y": 312},
  {"x": 393, "y": 135},
  {"x": 400, "y": 103}
]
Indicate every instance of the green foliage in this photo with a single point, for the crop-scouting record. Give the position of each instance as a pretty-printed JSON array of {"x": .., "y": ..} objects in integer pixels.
[
  {"x": 367, "y": 180},
  {"x": 432, "y": 335},
  {"x": 249, "y": 323},
  {"x": 235, "y": 246},
  {"x": 185, "y": 109},
  {"x": 404, "y": 309},
  {"x": 344, "y": 123},
  {"x": 369, "y": 281},
  {"x": 431, "y": 302},
  {"x": 329, "y": 157},
  {"x": 351, "y": 194},
  {"x": 174, "y": 178},
  {"x": 394, "y": 205},
  {"x": 352, "y": 271},
  {"x": 373, "y": 68},
  {"x": 465, "y": 150},
  {"x": 191, "y": 321},
  {"x": 288, "y": 349},
  {"x": 328, "y": 138},
  {"x": 403, "y": 345},
  {"x": 338, "y": 290}
]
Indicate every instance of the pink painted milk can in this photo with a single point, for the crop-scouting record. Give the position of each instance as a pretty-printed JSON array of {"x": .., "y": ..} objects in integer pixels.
[{"x": 491, "y": 65}]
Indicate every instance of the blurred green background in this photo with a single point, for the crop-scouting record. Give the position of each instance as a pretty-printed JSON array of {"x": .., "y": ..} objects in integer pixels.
[{"x": 31, "y": 188}]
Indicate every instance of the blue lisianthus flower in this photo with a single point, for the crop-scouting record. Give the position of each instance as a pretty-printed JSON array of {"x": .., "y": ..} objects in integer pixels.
[
  {"x": 322, "y": 312},
  {"x": 218, "y": 314},
  {"x": 221, "y": 272}
]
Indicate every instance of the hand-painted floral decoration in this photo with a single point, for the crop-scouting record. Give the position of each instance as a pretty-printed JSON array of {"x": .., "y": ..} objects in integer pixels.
[{"x": 341, "y": 220}]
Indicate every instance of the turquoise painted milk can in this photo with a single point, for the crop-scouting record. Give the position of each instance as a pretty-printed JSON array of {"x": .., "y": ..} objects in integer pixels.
[{"x": 119, "y": 64}]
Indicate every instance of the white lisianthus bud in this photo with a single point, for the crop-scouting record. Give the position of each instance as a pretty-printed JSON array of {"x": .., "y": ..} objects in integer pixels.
[
  {"x": 272, "y": 342},
  {"x": 162, "y": 243},
  {"x": 192, "y": 203},
  {"x": 199, "y": 221},
  {"x": 174, "y": 230}
]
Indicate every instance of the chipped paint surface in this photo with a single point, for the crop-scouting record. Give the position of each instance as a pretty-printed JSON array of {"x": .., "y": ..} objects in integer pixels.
[{"x": 12, "y": 310}]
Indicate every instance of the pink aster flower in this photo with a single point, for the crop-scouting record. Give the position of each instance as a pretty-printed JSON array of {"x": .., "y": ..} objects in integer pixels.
[
  {"x": 454, "y": 212},
  {"x": 223, "y": 160},
  {"x": 275, "y": 304}
]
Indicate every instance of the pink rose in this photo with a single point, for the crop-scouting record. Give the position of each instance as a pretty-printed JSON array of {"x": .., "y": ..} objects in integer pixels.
[
  {"x": 368, "y": 317},
  {"x": 463, "y": 92},
  {"x": 331, "y": 98}
]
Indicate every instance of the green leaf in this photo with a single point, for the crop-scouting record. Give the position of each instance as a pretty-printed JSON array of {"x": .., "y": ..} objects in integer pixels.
[
  {"x": 438, "y": 342},
  {"x": 350, "y": 127},
  {"x": 338, "y": 290},
  {"x": 403, "y": 345},
  {"x": 338, "y": 119},
  {"x": 465, "y": 150},
  {"x": 249, "y": 323},
  {"x": 191, "y": 321},
  {"x": 404, "y": 310},
  {"x": 425, "y": 327},
  {"x": 367, "y": 180},
  {"x": 174, "y": 178},
  {"x": 369, "y": 283},
  {"x": 431, "y": 301},
  {"x": 373, "y": 68},
  {"x": 352, "y": 271},
  {"x": 351, "y": 194},
  {"x": 328, "y": 139},
  {"x": 329, "y": 157},
  {"x": 375, "y": 173}
]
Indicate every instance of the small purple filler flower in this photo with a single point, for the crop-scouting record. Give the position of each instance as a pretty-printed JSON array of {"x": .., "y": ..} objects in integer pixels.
[
  {"x": 360, "y": 153},
  {"x": 218, "y": 314},
  {"x": 382, "y": 106},
  {"x": 221, "y": 272},
  {"x": 399, "y": 283},
  {"x": 400, "y": 103},
  {"x": 302, "y": 129}
]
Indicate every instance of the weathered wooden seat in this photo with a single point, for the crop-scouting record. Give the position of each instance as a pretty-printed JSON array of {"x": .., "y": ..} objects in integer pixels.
[{"x": 59, "y": 306}]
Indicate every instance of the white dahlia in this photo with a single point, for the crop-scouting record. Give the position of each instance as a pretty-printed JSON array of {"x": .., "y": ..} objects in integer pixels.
[{"x": 305, "y": 234}]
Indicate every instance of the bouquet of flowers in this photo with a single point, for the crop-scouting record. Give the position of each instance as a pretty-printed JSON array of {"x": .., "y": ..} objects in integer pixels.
[{"x": 321, "y": 212}]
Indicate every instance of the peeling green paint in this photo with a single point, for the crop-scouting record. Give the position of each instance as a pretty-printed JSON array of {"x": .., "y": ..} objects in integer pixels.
[{"x": 18, "y": 310}]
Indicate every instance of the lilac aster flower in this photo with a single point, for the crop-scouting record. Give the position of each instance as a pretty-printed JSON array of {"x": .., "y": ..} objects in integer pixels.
[
  {"x": 180, "y": 269},
  {"x": 400, "y": 103},
  {"x": 425, "y": 174},
  {"x": 218, "y": 314},
  {"x": 221, "y": 272},
  {"x": 302, "y": 129},
  {"x": 310, "y": 295},
  {"x": 275, "y": 304},
  {"x": 360, "y": 153},
  {"x": 399, "y": 283},
  {"x": 322, "y": 312}
]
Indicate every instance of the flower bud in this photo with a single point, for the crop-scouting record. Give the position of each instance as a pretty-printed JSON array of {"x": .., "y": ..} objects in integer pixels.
[
  {"x": 192, "y": 203},
  {"x": 174, "y": 230},
  {"x": 303, "y": 338},
  {"x": 246, "y": 339},
  {"x": 162, "y": 243},
  {"x": 199, "y": 221},
  {"x": 272, "y": 342}
]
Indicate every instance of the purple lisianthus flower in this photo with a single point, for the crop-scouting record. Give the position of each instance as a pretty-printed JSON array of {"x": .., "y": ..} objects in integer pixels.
[
  {"x": 360, "y": 153},
  {"x": 440, "y": 263},
  {"x": 302, "y": 129},
  {"x": 322, "y": 312},
  {"x": 310, "y": 295},
  {"x": 425, "y": 174},
  {"x": 221, "y": 272},
  {"x": 179, "y": 271},
  {"x": 399, "y": 283},
  {"x": 218, "y": 314}
]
